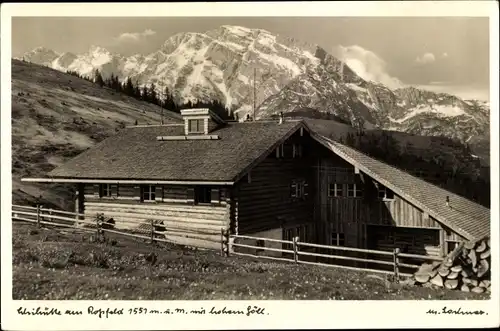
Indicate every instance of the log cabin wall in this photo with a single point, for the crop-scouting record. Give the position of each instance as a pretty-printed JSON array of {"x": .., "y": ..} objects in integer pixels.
[
  {"x": 186, "y": 223},
  {"x": 267, "y": 199},
  {"x": 369, "y": 221}
]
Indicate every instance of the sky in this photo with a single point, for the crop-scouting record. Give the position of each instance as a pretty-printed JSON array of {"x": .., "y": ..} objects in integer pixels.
[{"x": 443, "y": 54}]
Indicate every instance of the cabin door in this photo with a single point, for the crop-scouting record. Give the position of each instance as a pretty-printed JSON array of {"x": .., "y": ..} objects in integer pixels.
[{"x": 351, "y": 234}]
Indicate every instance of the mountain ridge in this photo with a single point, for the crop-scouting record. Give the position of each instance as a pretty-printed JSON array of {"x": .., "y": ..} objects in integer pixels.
[{"x": 290, "y": 74}]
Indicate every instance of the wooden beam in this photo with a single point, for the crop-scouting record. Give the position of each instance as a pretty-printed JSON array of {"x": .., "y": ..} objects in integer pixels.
[
  {"x": 442, "y": 243},
  {"x": 189, "y": 137},
  {"x": 121, "y": 181},
  {"x": 77, "y": 201},
  {"x": 361, "y": 177},
  {"x": 356, "y": 170}
]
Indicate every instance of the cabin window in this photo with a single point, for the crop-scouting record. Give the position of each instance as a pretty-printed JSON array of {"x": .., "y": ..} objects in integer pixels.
[
  {"x": 105, "y": 190},
  {"x": 297, "y": 150},
  {"x": 354, "y": 191},
  {"x": 335, "y": 190},
  {"x": 196, "y": 126},
  {"x": 202, "y": 194},
  {"x": 338, "y": 239},
  {"x": 384, "y": 193},
  {"x": 280, "y": 151},
  {"x": 298, "y": 189},
  {"x": 148, "y": 192}
]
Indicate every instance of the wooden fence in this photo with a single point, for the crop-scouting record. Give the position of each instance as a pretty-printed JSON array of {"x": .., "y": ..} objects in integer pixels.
[
  {"x": 41, "y": 216},
  {"x": 150, "y": 229},
  {"x": 289, "y": 251},
  {"x": 298, "y": 252}
]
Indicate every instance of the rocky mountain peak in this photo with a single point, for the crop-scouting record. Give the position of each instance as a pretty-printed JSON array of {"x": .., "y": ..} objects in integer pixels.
[{"x": 288, "y": 74}]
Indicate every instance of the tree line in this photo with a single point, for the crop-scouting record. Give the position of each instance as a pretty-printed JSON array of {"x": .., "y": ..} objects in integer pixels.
[{"x": 149, "y": 93}]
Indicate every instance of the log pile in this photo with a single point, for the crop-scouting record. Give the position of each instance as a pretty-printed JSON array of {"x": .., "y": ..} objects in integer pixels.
[{"x": 466, "y": 268}]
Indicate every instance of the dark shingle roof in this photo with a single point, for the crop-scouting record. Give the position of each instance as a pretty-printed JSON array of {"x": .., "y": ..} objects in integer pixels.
[
  {"x": 465, "y": 217},
  {"x": 135, "y": 153}
]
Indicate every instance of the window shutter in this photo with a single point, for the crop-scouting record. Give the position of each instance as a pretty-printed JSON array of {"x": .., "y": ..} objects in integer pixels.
[
  {"x": 222, "y": 193},
  {"x": 293, "y": 190},
  {"x": 214, "y": 195},
  {"x": 137, "y": 192},
  {"x": 114, "y": 190},
  {"x": 96, "y": 191},
  {"x": 294, "y": 150},
  {"x": 159, "y": 193},
  {"x": 190, "y": 195}
]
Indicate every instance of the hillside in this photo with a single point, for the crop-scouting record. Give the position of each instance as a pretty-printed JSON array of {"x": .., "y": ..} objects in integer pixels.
[
  {"x": 69, "y": 266},
  {"x": 289, "y": 74},
  {"x": 56, "y": 116}
]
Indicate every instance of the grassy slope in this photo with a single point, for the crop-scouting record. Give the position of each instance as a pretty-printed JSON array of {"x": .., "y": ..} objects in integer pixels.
[
  {"x": 58, "y": 264},
  {"x": 56, "y": 116}
]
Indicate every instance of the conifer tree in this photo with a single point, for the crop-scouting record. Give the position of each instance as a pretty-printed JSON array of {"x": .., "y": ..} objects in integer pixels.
[
  {"x": 129, "y": 87},
  {"x": 137, "y": 91},
  {"x": 98, "y": 78},
  {"x": 145, "y": 93},
  {"x": 153, "y": 98}
]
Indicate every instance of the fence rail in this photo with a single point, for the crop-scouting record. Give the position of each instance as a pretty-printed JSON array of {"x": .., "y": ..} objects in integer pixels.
[
  {"x": 229, "y": 243},
  {"x": 289, "y": 250},
  {"x": 138, "y": 228}
]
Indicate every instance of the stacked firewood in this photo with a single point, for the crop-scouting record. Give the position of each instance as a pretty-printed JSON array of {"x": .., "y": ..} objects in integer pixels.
[{"x": 466, "y": 268}]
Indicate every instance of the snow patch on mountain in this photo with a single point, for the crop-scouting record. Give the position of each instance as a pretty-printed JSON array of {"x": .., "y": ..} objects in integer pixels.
[{"x": 440, "y": 110}]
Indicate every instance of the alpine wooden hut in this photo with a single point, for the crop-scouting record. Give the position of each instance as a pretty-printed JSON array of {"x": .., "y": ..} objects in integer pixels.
[{"x": 273, "y": 179}]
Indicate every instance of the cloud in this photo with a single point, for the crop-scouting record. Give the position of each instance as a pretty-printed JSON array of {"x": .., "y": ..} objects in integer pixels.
[
  {"x": 135, "y": 36},
  {"x": 367, "y": 65},
  {"x": 444, "y": 55},
  {"x": 426, "y": 58}
]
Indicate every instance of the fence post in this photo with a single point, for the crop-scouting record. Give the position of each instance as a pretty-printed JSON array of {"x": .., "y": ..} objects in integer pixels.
[
  {"x": 222, "y": 241},
  {"x": 38, "y": 215},
  {"x": 396, "y": 264},
  {"x": 50, "y": 215},
  {"x": 227, "y": 240},
  {"x": 295, "y": 256},
  {"x": 98, "y": 227},
  {"x": 152, "y": 232}
]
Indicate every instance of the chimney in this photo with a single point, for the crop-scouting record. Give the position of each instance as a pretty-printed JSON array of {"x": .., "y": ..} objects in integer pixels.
[
  {"x": 281, "y": 117},
  {"x": 447, "y": 201}
]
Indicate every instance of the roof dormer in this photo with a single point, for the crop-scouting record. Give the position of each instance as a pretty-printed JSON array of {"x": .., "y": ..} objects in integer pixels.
[{"x": 200, "y": 121}]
